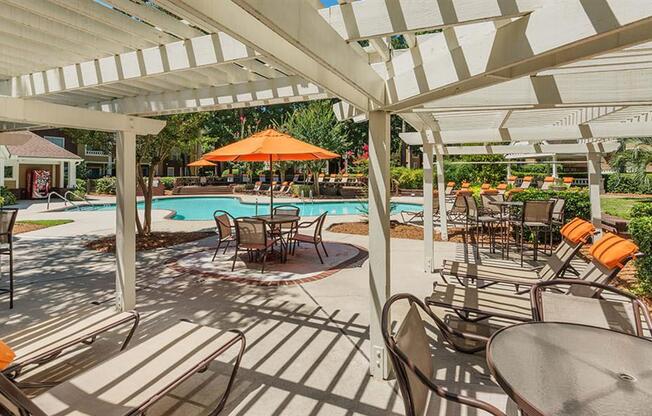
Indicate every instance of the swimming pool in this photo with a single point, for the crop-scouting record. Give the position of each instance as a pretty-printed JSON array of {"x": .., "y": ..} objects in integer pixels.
[{"x": 202, "y": 208}]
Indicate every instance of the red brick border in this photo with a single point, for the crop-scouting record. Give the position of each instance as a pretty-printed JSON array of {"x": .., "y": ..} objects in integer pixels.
[{"x": 173, "y": 263}]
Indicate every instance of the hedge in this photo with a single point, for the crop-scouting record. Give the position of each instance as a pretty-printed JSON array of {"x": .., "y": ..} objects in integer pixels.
[
  {"x": 408, "y": 178},
  {"x": 577, "y": 200},
  {"x": 106, "y": 185},
  {"x": 628, "y": 183},
  {"x": 168, "y": 182},
  {"x": 641, "y": 231}
]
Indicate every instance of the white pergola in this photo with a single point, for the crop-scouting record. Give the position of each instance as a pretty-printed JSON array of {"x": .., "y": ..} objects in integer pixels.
[{"x": 488, "y": 72}]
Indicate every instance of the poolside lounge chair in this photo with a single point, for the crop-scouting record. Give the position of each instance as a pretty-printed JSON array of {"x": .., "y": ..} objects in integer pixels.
[
  {"x": 314, "y": 239},
  {"x": 465, "y": 185},
  {"x": 511, "y": 180},
  {"x": 622, "y": 311},
  {"x": 568, "y": 181},
  {"x": 134, "y": 380},
  {"x": 501, "y": 188},
  {"x": 610, "y": 254},
  {"x": 574, "y": 235},
  {"x": 409, "y": 350},
  {"x": 527, "y": 181},
  {"x": 224, "y": 227},
  {"x": 450, "y": 186},
  {"x": 547, "y": 183},
  {"x": 43, "y": 342},
  {"x": 282, "y": 187},
  {"x": 407, "y": 216},
  {"x": 7, "y": 223},
  {"x": 287, "y": 190},
  {"x": 485, "y": 186},
  {"x": 296, "y": 177},
  {"x": 255, "y": 189}
]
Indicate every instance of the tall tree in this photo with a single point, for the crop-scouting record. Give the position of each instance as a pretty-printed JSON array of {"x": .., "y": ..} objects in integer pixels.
[
  {"x": 316, "y": 124},
  {"x": 634, "y": 156}
]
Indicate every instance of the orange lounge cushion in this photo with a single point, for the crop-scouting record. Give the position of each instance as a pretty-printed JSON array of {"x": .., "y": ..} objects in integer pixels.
[
  {"x": 463, "y": 192},
  {"x": 549, "y": 179},
  {"x": 485, "y": 186},
  {"x": 451, "y": 184},
  {"x": 489, "y": 192},
  {"x": 612, "y": 251},
  {"x": 502, "y": 186},
  {"x": 568, "y": 179},
  {"x": 527, "y": 179},
  {"x": 7, "y": 355},
  {"x": 511, "y": 178},
  {"x": 577, "y": 230},
  {"x": 465, "y": 184}
]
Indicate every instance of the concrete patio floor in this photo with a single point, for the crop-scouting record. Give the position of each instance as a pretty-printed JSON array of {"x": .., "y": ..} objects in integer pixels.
[{"x": 307, "y": 350}]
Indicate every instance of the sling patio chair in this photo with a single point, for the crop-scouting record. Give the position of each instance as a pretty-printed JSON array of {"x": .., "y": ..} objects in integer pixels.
[
  {"x": 609, "y": 255},
  {"x": 408, "y": 216},
  {"x": 548, "y": 181},
  {"x": 457, "y": 214},
  {"x": 568, "y": 181},
  {"x": 7, "y": 223},
  {"x": 314, "y": 239},
  {"x": 501, "y": 188},
  {"x": 527, "y": 181},
  {"x": 45, "y": 341},
  {"x": 134, "y": 380},
  {"x": 410, "y": 353},
  {"x": 574, "y": 235},
  {"x": 477, "y": 221},
  {"x": 225, "y": 228},
  {"x": 511, "y": 180},
  {"x": 251, "y": 235},
  {"x": 619, "y": 310},
  {"x": 535, "y": 218}
]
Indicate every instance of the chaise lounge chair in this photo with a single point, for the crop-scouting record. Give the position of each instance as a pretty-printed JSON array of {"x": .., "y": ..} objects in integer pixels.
[
  {"x": 548, "y": 181},
  {"x": 527, "y": 181},
  {"x": 609, "y": 255},
  {"x": 407, "y": 216},
  {"x": 134, "y": 380},
  {"x": 43, "y": 342}
]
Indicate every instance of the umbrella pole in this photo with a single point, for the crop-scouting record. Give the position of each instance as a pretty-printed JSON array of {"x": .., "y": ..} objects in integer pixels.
[{"x": 271, "y": 188}]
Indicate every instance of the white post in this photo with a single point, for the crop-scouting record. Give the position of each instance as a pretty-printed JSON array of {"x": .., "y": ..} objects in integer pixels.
[
  {"x": 595, "y": 177},
  {"x": 509, "y": 170},
  {"x": 72, "y": 174},
  {"x": 62, "y": 167},
  {"x": 109, "y": 165},
  {"x": 125, "y": 233},
  {"x": 428, "y": 225},
  {"x": 441, "y": 188},
  {"x": 554, "y": 166},
  {"x": 379, "y": 243},
  {"x": 2, "y": 172}
]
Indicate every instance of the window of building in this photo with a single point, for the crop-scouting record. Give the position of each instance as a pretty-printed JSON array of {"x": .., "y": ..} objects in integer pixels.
[
  {"x": 59, "y": 141},
  {"x": 170, "y": 170},
  {"x": 9, "y": 172}
]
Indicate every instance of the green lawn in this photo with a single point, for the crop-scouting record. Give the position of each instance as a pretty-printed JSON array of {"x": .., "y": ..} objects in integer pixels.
[
  {"x": 620, "y": 206},
  {"x": 44, "y": 223}
]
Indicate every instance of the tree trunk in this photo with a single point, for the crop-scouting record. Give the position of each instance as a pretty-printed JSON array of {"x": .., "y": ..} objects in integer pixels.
[{"x": 142, "y": 229}]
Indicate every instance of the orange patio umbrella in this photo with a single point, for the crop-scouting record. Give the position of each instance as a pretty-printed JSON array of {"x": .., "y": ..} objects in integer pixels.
[
  {"x": 269, "y": 146},
  {"x": 201, "y": 163}
]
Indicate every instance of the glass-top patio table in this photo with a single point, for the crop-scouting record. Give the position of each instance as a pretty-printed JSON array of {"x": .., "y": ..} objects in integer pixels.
[
  {"x": 571, "y": 369},
  {"x": 275, "y": 223}
]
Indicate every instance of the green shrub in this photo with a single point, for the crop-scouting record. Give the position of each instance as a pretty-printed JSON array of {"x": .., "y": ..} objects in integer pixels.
[
  {"x": 641, "y": 209},
  {"x": 577, "y": 200},
  {"x": 628, "y": 183},
  {"x": 106, "y": 185},
  {"x": 641, "y": 231},
  {"x": 296, "y": 190},
  {"x": 80, "y": 187},
  {"x": 8, "y": 198},
  {"x": 408, "y": 178},
  {"x": 168, "y": 182},
  {"x": 2, "y": 202}
]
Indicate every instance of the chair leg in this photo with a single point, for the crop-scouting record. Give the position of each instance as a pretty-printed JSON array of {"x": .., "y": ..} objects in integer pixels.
[
  {"x": 262, "y": 269},
  {"x": 324, "y": 247},
  {"x": 216, "y": 250},
  {"x": 235, "y": 257},
  {"x": 521, "y": 237},
  {"x": 318, "y": 253},
  {"x": 228, "y": 243},
  {"x": 11, "y": 277}
]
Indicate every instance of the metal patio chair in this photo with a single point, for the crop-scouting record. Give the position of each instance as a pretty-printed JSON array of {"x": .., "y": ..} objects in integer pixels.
[
  {"x": 251, "y": 235},
  {"x": 7, "y": 223},
  {"x": 410, "y": 353},
  {"x": 536, "y": 217},
  {"x": 225, "y": 229},
  {"x": 314, "y": 239},
  {"x": 620, "y": 311}
]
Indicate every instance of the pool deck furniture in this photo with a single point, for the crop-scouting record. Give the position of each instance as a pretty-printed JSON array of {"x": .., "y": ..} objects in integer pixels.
[
  {"x": 252, "y": 236},
  {"x": 314, "y": 239},
  {"x": 134, "y": 380},
  {"x": 225, "y": 229},
  {"x": 609, "y": 256},
  {"x": 574, "y": 236},
  {"x": 535, "y": 217},
  {"x": 551, "y": 368},
  {"x": 410, "y": 353},
  {"x": 7, "y": 223},
  {"x": 42, "y": 342}
]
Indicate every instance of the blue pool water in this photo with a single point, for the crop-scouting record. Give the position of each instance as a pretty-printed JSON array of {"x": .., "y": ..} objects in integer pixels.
[{"x": 202, "y": 208}]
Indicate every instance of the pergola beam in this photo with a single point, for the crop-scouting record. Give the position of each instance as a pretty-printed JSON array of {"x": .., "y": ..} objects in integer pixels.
[
  {"x": 18, "y": 110},
  {"x": 522, "y": 47},
  {"x": 293, "y": 33},
  {"x": 367, "y": 19},
  {"x": 539, "y": 133},
  {"x": 531, "y": 149},
  {"x": 288, "y": 89}
]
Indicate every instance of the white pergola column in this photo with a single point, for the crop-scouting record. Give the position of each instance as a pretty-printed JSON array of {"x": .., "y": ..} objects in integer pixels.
[
  {"x": 2, "y": 172},
  {"x": 441, "y": 188},
  {"x": 125, "y": 232},
  {"x": 379, "y": 243},
  {"x": 509, "y": 170},
  {"x": 72, "y": 174},
  {"x": 428, "y": 225},
  {"x": 62, "y": 167},
  {"x": 554, "y": 166},
  {"x": 595, "y": 177}
]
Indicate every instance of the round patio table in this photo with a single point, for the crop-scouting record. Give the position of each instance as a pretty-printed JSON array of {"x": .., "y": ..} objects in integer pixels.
[
  {"x": 278, "y": 220},
  {"x": 552, "y": 368}
]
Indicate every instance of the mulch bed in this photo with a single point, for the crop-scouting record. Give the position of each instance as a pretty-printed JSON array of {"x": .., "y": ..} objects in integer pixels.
[
  {"x": 20, "y": 228},
  {"x": 149, "y": 242}
]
